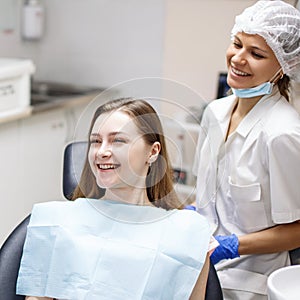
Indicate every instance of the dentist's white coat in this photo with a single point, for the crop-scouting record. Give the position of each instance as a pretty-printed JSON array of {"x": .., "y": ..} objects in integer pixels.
[{"x": 249, "y": 183}]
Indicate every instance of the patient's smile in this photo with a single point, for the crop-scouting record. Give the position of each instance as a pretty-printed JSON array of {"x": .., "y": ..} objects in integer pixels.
[{"x": 108, "y": 166}]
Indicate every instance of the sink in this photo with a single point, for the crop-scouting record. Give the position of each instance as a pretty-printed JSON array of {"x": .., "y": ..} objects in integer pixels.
[
  {"x": 45, "y": 91},
  {"x": 284, "y": 283}
]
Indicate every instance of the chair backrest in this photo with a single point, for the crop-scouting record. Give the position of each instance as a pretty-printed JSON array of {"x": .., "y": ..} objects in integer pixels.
[
  {"x": 213, "y": 286},
  {"x": 10, "y": 257},
  {"x": 11, "y": 251}
]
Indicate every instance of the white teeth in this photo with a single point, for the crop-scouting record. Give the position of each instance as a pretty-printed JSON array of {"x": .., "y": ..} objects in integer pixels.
[
  {"x": 237, "y": 72},
  {"x": 106, "y": 167}
]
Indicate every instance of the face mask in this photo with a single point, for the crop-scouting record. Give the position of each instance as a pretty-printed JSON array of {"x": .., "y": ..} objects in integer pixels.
[{"x": 262, "y": 89}]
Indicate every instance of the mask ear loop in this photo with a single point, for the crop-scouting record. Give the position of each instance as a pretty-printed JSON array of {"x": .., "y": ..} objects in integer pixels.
[{"x": 278, "y": 75}]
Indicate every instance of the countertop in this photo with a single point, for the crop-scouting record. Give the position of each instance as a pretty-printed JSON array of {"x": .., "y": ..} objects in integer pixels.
[
  {"x": 42, "y": 106},
  {"x": 63, "y": 102}
]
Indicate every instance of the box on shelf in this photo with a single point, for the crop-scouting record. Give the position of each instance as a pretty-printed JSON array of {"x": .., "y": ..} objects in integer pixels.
[{"x": 15, "y": 85}]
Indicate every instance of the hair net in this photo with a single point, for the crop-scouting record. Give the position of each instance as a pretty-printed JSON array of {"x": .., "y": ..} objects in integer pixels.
[{"x": 279, "y": 24}]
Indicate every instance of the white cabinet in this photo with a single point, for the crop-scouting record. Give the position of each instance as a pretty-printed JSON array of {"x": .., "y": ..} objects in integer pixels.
[
  {"x": 11, "y": 204},
  {"x": 42, "y": 140}
]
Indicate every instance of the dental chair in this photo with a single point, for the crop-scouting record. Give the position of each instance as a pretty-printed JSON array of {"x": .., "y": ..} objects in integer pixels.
[
  {"x": 295, "y": 256},
  {"x": 11, "y": 251}
]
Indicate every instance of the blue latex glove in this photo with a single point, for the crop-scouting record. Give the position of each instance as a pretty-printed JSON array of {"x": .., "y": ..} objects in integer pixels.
[
  {"x": 190, "y": 207},
  {"x": 228, "y": 248}
]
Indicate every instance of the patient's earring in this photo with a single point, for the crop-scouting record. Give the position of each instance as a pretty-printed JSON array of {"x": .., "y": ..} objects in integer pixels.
[{"x": 151, "y": 160}]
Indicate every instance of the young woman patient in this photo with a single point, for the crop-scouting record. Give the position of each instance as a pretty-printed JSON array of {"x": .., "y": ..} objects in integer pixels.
[{"x": 125, "y": 235}]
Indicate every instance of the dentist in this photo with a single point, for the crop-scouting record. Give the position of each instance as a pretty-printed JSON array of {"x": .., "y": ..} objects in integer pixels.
[{"x": 248, "y": 156}]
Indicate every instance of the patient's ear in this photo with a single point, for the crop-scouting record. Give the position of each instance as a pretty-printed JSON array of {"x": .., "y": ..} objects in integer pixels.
[{"x": 155, "y": 149}]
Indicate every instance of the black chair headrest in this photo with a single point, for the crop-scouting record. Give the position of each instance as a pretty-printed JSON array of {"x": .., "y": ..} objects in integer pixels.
[{"x": 74, "y": 158}]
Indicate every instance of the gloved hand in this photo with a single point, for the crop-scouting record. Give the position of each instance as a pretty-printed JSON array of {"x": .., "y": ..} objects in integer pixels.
[
  {"x": 228, "y": 248},
  {"x": 190, "y": 207}
]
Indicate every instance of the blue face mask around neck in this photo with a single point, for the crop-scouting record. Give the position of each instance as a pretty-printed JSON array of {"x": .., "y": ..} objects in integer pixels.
[{"x": 262, "y": 89}]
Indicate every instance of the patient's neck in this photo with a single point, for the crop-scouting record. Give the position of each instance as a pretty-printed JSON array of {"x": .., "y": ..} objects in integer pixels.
[{"x": 137, "y": 196}]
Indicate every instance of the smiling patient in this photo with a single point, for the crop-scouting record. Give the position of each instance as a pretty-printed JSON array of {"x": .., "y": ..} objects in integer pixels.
[{"x": 125, "y": 235}]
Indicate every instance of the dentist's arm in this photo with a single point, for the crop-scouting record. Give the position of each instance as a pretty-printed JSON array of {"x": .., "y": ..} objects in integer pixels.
[{"x": 279, "y": 238}]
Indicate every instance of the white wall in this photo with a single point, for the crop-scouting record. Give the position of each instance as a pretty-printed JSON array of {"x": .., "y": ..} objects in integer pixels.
[{"x": 94, "y": 42}]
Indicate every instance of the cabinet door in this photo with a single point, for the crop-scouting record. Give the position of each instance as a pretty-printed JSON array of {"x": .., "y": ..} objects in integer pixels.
[
  {"x": 42, "y": 141},
  {"x": 10, "y": 211}
]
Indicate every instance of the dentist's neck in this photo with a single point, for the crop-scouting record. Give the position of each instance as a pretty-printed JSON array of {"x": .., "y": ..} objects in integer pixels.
[
  {"x": 241, "y": 109},
  {"x": 244, "y": 105}
]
